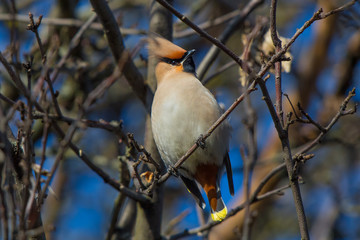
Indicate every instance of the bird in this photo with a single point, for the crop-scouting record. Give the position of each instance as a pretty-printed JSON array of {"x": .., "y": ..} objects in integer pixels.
[{"x": 181, "y": 111}]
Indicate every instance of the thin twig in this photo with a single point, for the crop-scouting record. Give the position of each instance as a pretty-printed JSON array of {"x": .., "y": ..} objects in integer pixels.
[
  {"x": 140, "y": 186},
  {"x": 3, "y": 210},
  {"x": 19, "y": 84},
  {"x": 114, "y": 215},
  {"x": 219, "y": 71},
  {"x": 225, "y": 35},
  {"x": 283, "y": 132},
  {"x": 66, "y": 141},
  {"x": 73, "y": 44},
  {"x": 249, "y": 162},
  {"x": 277, "y": 44},
  {"x": 147, "y": 155},
  {"x": 116, "y": 44},
  {"x": 6, "y": 99},
  {"x": 107, "y": 179},
  {"x": 63, "y": 147},
  {"x": 207, "y": 24},
  {"x": 292, "y": 106},
  {"x": 278, "y": 119},
  {"x": 204, "y": 34},
  {"x": 69, "y": 22},
  {"x": 309, "y": 119},
  {"x": 283, "y": 136},
  {"x": 199, "y": 230},
  {"x": 119, "y": 202},
  {"x": 34, "y": 28},
  {"x": 38, "y": 177},
  {"x": 339, "y": 114},
  {"x": 339, "y": 9},
  {"x": 318, "y": 15},
  {"x": 250, "y": 158},
  {"x": 246, "y": 225},
  {"x": 317, "y": 140},
  {"x": 255, "y": 197},
  {"x": 175, "y": 221},
  {"x": 14, "y": 77},
  {"x": 113, "y": 126}
]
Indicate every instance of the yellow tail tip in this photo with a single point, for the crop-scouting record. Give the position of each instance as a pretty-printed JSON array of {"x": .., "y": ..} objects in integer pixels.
[{"x": 219, "y": 215}]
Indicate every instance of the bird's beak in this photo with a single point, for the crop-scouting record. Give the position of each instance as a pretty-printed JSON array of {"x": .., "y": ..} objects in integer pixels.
[{"x": 188, "y": 54}]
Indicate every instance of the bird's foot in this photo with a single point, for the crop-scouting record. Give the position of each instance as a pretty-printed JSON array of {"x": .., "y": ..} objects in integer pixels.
[
  {"x": 201, "y": 141},
  {"x": 173, "y": 171}
]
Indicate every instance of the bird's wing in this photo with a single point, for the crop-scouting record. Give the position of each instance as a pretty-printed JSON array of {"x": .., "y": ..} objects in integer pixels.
[
  {"x": 194, "y": 190},
  {"x": 229, "y": 173}
]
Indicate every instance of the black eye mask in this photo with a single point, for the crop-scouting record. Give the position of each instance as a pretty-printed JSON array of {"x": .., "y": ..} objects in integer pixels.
[
  {"x": 188, "y": 64},
  {"x": 174, "y": 62}
]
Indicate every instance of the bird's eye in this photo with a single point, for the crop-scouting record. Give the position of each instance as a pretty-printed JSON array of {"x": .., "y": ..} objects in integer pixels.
[{"x": 173, "y": 62}]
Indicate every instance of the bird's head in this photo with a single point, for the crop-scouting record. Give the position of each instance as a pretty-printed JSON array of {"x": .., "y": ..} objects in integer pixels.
[{"x": 172, "y": 58}]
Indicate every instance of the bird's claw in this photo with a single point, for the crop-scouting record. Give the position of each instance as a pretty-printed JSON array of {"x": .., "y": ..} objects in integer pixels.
[
  {"x": 201, "y": 141},
  {"x": 173, "y": 171}
]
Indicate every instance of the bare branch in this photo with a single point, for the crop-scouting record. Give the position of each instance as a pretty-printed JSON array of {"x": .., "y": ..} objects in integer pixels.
[
  {"x": 204, "y": 34},
  {"x": 34, "y": 28},
  {"x": 339, "y": 9},
  {"x": 339, "y": 114},
  {"x": 117, "y": 47},
  {"x": 318, "y": 15},
  {"x": 119, "y": 202},
  {"x": 68, "y": 22},
  {"x": 200, "y": 230},
  {"x": 147, "y": 155},
  {"x": 208, "y": 24},
  {"x": 277, "y": 44},
  {"x": 73, "y": 43},
  {"x": 283, "y": 135},
  {"x": 107, "y": 179},
  {"x": 229, "y": 30},
  {"x": 309, "y": 119}
]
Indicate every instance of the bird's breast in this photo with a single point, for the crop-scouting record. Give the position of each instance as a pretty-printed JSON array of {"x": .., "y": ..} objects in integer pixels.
[{"x": 182, "y": 110}]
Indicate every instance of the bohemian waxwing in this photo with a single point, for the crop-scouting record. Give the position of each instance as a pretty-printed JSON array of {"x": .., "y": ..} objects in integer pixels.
[{"x": 182, "y": 110}]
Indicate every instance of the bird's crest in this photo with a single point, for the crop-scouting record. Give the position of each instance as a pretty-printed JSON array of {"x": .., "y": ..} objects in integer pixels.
[{"x": 163, "y": 48}]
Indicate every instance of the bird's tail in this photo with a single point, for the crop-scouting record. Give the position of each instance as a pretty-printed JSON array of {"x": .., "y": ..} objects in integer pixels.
[
  {"x": 207, "y": 176},
  {"x": 217, "y": 206}
]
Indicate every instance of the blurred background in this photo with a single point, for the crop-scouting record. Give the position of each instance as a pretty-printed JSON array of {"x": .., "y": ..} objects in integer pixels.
[{"x": 324, "y": 68}]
